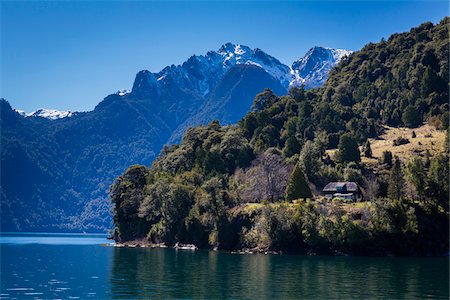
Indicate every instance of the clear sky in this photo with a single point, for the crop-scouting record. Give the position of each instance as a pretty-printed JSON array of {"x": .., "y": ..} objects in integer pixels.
[{"x": 70, "y": 55}]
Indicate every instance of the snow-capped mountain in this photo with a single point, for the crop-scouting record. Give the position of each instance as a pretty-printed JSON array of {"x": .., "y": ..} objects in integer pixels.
[
  {"x": 131, "y": 127},
  {"x": 196, "y": 78},
  {"x": 312, "y": 69},
  {"x": 202, "y": 72},
  {"x": 51, "y": 114}
]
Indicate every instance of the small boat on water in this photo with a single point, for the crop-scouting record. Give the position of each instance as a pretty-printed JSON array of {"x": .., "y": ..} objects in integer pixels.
[{"x": 180, "y": 246}]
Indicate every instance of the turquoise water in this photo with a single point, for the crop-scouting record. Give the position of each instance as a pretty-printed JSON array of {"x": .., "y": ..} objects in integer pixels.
[{"x": 72, "y": 266}]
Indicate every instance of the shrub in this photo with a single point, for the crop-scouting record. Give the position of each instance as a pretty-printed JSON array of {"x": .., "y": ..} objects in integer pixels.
[{"x": 400, "y": 141}]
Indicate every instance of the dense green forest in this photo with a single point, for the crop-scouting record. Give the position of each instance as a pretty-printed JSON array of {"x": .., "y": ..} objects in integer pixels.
[{"x": 251, "y": 185}]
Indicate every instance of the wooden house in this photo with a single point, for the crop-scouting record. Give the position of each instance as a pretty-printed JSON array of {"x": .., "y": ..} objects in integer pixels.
[{"x": 345, "y": 190}]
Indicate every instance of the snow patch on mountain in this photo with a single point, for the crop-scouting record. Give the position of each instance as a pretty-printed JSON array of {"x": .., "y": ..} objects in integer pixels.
[
  {"x": 123, "y": 92},
  {"x": 51, "y": 114},
  {"x": 21, "y": 112}
]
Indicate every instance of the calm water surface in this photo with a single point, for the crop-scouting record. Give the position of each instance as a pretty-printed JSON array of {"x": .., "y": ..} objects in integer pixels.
[{"x": 80, "y": 267}]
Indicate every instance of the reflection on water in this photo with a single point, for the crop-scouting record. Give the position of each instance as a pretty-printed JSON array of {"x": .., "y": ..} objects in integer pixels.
[
  {"x": 32, "y": 267},
  {"x": 167, "y": 273}
]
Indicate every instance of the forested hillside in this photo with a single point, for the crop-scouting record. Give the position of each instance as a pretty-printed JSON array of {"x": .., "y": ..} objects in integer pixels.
[
  {"x": 56, "y": 173},
  {"x": 250, "y": 185}
]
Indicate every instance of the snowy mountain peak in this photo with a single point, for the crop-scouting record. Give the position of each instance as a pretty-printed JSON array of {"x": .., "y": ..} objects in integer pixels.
[
  {"x": 51, "y": 114},
  {"x": 234, "y": 54},
  {"x": 230, "y": 49},
  {"x": 200, "y": 73},
  {"x": 145, "y": 84},
  {"x": 312, "y": 69}
]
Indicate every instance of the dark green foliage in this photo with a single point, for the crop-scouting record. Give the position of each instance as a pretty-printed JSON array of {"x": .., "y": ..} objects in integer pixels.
[
  {"x": 416, "y": 174},
  {"x": 400, "y": 141},
  {"x": 367, "y": 150},
  {"x": 297, "y": 186},
  {"x": 291, "y": 147},
  {"x": 438, "y": 176},
  {"x": 352, "y": 172},
  {"x": 445, "y": 120},
  {"x": 348, "y": 149},
  {"x": 396, "y": 181},
  {"x": 127, "y": 193},
  {"x": 409, "y": 68},
  {"x": 411, "y": 117},
  {"x": 264, "y": 100},
  {"x": 387, "y": 158},
  {"x": 310, "y": 159}
]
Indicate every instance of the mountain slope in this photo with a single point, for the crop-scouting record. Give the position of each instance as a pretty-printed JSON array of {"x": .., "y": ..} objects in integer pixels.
[{"x": 231, "y": 98}]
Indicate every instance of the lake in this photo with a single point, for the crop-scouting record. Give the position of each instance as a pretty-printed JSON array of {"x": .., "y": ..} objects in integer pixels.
[{"x": 77, "y": 266}]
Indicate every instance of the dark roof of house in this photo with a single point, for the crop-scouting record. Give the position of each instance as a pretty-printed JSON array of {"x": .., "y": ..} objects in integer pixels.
[{"x": 341, "y": 187}]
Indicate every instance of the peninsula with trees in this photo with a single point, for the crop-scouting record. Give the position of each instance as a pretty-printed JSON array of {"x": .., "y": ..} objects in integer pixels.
[{"x": 380, "y": 123}]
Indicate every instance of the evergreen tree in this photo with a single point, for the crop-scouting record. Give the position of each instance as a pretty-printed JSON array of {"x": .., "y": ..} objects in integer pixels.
[
  {"x": 291, "y": 147},
  {"x": 348, "y": 149},
  {"x": 387, "y": 158},
  {"x": 396, "y": 181},
  {"x": 411, "y": 117},
  {"x": 249, "y": 124},
  {"x": 415, "y": 173},
  {"x": 264, "y": 100},
  {"x": 310, "y": 160},
  {"x": 297, "y": 186},
  {"x": 438, "y": 176},
  {"x": 367, "y": 149}
]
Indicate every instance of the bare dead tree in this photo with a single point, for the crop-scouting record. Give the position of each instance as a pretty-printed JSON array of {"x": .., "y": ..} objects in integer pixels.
[{"x": 265, "y": 179}]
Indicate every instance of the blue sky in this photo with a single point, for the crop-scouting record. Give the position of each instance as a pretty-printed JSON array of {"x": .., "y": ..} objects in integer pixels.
[{"x": 69, "y": 55}]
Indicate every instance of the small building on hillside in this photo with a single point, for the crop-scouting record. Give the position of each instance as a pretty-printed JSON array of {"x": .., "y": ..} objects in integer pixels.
[{"x": 345, "y": 190}]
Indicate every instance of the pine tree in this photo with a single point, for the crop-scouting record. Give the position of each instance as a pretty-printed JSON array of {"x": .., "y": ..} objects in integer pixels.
[
  {"x": 367, "y": 149},
  {"x": 297, "y": 186},
  {"x": 396, "y": 181},
  {"x": 387, "y": 158}
]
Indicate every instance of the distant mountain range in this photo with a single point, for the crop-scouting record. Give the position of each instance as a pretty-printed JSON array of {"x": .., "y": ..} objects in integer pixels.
[
  {"x": 57, "y": 166},
  {"x": 51, "y": 114},
  {"x": 202, "y": 72}
]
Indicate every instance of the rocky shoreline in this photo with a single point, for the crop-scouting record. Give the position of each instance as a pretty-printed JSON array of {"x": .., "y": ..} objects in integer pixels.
[{"x": 144, "y": 243}]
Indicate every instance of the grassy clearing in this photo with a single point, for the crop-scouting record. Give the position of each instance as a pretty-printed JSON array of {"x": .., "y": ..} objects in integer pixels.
[{"x": 427, "y": 138}]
